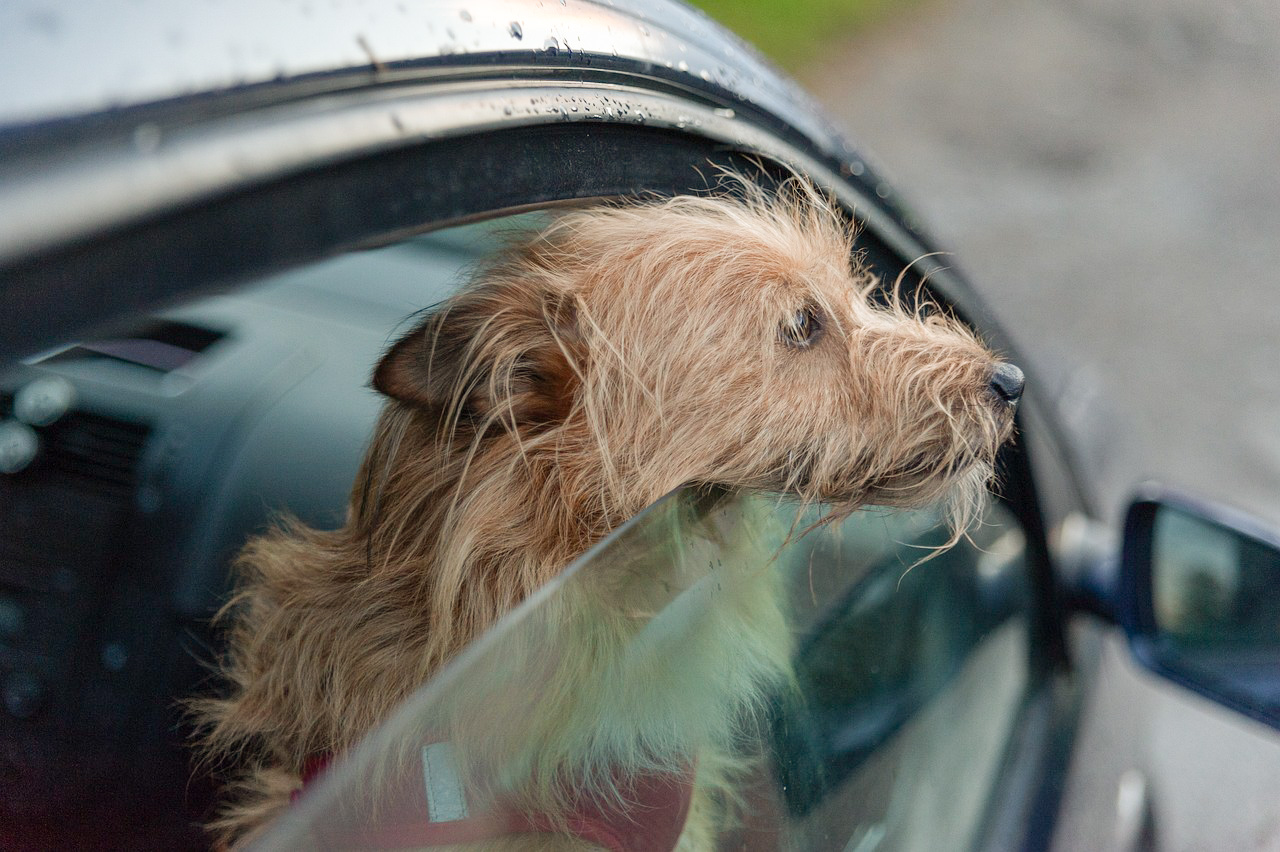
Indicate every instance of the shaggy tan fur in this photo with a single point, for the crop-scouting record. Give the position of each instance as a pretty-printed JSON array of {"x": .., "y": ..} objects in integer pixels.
[{"x": 585, "y": 372}]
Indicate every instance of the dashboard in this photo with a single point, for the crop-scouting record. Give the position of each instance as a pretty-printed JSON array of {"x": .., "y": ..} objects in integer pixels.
[{"x": 135, "y": 463}]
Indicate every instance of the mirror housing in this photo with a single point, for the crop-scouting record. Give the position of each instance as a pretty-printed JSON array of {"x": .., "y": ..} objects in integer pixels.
[{"x": 1198, "y": 594}]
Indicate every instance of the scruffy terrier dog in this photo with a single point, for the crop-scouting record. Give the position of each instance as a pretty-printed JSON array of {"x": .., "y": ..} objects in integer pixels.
[{"x": 732, "y": 341}]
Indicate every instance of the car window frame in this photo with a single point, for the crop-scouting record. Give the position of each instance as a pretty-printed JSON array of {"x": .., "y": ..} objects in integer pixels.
[{"x": 219, "y": 236}]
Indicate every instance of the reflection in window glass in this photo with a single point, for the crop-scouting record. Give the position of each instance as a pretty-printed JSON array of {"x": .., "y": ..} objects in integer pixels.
[
  {"x": 825, "y": 685},
  {"x": 909, "y": 683}
]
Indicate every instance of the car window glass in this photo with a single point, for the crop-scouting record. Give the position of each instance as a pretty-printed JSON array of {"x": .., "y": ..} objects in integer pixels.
[{"x": 908, "y": 676}]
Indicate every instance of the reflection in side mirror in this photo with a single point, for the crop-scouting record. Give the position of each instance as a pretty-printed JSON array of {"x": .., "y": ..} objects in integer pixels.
[{"x": 1200, "y": 600}]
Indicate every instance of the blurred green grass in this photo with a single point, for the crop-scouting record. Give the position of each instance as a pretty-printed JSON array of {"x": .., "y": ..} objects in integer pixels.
[{"x": 790, "y": 31}]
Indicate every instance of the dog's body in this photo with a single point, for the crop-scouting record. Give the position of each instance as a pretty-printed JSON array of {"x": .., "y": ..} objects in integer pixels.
[{"x": 586, "y": 372}]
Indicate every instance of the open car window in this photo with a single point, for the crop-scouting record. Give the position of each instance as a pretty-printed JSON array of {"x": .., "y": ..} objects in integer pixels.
[{"x": 866, "y": 697}]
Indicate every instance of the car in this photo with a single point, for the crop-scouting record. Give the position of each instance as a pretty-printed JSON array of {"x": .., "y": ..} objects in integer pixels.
[{"x": 214, "y": 217}]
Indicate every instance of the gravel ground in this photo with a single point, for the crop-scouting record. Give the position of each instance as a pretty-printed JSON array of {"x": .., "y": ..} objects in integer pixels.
[{"x": 1109, "y": 176}]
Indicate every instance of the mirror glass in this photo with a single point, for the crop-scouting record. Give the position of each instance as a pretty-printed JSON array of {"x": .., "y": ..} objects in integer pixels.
[{"x": 1215, "y": 594}]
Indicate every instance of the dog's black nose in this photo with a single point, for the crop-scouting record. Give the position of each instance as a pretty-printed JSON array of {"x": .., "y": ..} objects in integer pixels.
[{"x": 1007, "y": 382}]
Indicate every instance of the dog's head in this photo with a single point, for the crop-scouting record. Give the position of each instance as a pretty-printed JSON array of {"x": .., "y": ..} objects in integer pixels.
[{"x": 735, "y": 341}]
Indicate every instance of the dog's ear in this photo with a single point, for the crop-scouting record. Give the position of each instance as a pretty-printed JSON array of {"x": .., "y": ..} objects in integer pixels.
[{"x": 504, "y": 352}]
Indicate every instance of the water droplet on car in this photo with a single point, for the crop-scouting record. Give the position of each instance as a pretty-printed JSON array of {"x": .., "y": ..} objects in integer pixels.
[
  {"x": 682, "y": 65},
  {"x": 724, "y": 112},
  {"x": 705, "y": 74},
  {"x": 882, "y": 190},
  {"x": 644, "y": 31},
  {"x": 465, "y": 15},
  {"x": 552, "y": 45},
  {"x": 517, "y": 31},
  {"x": 506, "y": 110}
]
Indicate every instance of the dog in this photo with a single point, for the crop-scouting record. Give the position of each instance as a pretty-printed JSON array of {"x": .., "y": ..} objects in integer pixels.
[{"x": 730, "y": 342}]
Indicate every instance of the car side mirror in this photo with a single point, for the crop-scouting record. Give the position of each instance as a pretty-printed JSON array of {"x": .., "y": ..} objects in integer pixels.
[{"x": 1199, "y": 595}]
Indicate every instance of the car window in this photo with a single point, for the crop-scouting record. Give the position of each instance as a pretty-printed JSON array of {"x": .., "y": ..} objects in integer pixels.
[
  {"x": 868, "y": 692},
  {"x": 880, "y": 707}
]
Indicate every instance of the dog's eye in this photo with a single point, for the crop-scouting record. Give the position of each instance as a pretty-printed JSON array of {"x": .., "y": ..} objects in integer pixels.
[{"x": 803, "y": 328}]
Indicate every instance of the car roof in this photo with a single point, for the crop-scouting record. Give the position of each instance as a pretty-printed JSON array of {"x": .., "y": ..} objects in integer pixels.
[{"x": 68, "y": 60}]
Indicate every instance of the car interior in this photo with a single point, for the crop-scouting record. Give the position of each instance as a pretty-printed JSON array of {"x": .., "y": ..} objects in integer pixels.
[{"x": 176, "y": 440}]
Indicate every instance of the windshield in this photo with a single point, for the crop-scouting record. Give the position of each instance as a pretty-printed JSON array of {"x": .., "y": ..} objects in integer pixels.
[{"x": 829, "y": 688}]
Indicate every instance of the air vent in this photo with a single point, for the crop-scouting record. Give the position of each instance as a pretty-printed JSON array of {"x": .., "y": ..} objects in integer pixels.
[{"x": 98, "y": 452}]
